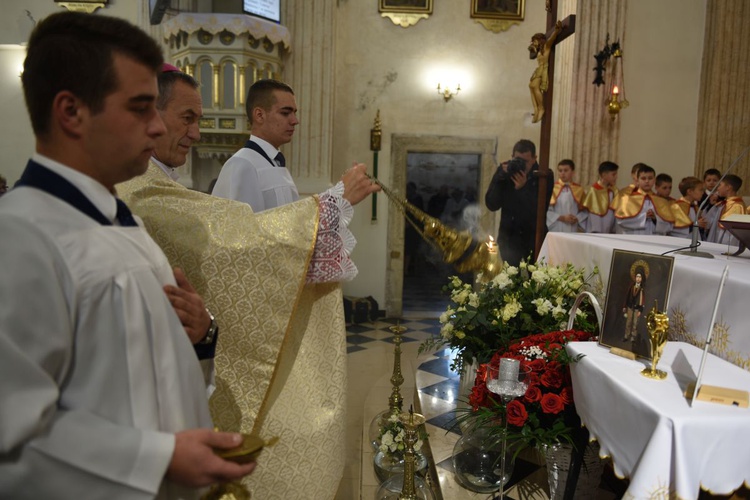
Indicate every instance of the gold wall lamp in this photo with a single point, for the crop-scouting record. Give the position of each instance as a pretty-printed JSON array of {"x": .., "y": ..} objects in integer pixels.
[{"x": 447, "y": 92}]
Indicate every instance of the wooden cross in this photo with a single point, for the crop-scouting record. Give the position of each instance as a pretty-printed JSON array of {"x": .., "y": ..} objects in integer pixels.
[{"x": 568, "y": 28}]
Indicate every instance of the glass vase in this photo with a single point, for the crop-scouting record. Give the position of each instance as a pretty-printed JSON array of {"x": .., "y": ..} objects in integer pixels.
[
  {"x": 391, "y": 489},
  {"x": 388, "y": 465},
  {"x": 477, "y": 459},
  {"x": 558, "y": 458}
]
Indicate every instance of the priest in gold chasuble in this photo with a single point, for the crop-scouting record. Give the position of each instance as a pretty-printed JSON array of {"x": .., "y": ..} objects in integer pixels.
[{"x": 269, "y": 280}]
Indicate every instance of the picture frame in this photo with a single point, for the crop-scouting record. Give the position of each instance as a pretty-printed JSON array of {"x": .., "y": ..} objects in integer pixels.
[
  {"x": 628, "y": 303},
  {"x": 406, "y": 6},
  {"x": 405, "y": 13},
  {"x": 498, "y": 9}
]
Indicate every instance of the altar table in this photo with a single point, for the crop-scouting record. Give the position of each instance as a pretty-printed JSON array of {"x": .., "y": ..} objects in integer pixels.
[
  {"x": 654, "y": 437},
  {"x": 695, "y": 281}
]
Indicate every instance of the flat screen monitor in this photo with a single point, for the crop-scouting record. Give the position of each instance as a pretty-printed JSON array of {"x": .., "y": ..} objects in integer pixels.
[
  {"x": 267, "y": 9},
  {"x": 156, "y": 10}
]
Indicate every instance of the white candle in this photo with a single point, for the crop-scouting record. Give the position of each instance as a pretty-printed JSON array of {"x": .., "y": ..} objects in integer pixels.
[{"x": 509, "y": 369}]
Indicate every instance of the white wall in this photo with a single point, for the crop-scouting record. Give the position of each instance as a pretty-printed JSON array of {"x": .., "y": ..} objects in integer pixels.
[
  {"x": 662, "y": 61},
  {"x": 383, "y": 66},
  {"x": 16, "y": 137},
  {"x": 387, "y": 67}
]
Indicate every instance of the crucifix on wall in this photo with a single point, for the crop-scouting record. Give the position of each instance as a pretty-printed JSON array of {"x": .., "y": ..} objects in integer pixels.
[{"x": 557, "y": 31}]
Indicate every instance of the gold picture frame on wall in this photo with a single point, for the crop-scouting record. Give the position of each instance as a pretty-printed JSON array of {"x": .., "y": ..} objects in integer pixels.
[
  {"x": 405, "y": 13},
  {"x": 498, "y": 15}
]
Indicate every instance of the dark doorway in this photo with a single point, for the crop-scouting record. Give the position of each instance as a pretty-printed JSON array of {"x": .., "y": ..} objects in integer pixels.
[{"x": 445, "y": 186}]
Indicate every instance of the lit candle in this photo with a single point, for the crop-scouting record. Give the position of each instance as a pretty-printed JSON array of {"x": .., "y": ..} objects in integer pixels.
[
  {"x": 615, "y": 90},
  {"x": 509, "y": 369}
]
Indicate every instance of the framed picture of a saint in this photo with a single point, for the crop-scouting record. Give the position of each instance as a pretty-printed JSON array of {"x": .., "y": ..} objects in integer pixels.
[
  {"x": 513, "y": 10},
  {"x": 637, "y": 282}
]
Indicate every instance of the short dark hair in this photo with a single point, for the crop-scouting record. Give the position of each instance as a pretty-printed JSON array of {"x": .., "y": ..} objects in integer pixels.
[
  {"x": 568, "y": 163},
  {"x": 608, "y": 166},
  {"x": 688, "y": 183},
  {"x": 260, "y": 95},
  {"x": 645, "y": 168},
  {"x": 524, "y": 146},
  {"x": 74, "y": 51},
  {"x": 734, "y": 181},
  {"x": 662, "y": 178},
  {"x": 711, "y": 171},
  {"x": 166, "y": 80}
]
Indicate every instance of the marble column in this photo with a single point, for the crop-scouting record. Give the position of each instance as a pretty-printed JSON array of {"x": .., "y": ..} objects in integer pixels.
[{"x": 309, "y": 69}]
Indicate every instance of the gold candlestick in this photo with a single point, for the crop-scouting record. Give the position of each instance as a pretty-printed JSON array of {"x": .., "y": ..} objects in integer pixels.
[
  {"x": 396, "y": 401},
  {"x": 411, "y": 422},
  {"x": 657, "y": 324}
]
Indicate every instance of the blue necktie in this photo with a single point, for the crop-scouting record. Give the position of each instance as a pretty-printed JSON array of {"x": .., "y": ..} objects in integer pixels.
[
  {"x": 124, "y": 215},
  {"x": 280, "y": 160}
]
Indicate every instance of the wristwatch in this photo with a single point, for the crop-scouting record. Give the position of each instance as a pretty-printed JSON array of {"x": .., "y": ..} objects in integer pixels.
[{"x": 213, "y": 329}]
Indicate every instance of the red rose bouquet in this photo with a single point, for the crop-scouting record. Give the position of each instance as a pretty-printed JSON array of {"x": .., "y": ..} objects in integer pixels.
[{"x": 545, "y": 415}]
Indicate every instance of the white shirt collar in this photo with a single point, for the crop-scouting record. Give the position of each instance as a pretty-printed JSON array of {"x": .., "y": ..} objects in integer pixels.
[
  {"x": 170, "y": 171},
  {"x": 102, "y": 199},
  {"x": 266, "y": 146}
]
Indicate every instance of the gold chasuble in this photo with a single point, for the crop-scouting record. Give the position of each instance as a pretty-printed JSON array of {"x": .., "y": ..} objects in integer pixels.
[
  {"x": 597, "y": 199},
  {"x": 281, "y": 355}
]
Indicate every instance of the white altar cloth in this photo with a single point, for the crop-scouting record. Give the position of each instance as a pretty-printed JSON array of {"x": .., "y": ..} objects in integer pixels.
[
  {"x": 695, "y": 281},
  {"x": 648, "y": 428}
]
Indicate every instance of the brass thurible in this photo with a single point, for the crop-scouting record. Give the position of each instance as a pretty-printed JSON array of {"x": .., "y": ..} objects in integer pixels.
[
  {"x": 459, "y": 248},
  {"x": 657, "y": 324}
]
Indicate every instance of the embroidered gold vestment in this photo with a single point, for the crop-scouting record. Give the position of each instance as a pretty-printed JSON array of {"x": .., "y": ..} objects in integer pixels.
[{"x": 281, "y": 355}]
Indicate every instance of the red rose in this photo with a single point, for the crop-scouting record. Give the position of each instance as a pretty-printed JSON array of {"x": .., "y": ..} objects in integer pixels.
[
  {"x": 478, "y": 396},
  {"x": 516, "y": 413},
  {"x": 551, "y": 403},
  {"x": 533, "y": 394},
  {"x": 536, "y": 365},
  {"x": 533, "y": 379},
  {"x": 552, "y": 378},
  {"x": 567, "y": 395}
]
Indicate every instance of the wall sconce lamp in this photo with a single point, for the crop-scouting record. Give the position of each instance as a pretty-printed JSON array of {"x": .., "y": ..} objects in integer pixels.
[{"x": 447, "y": 93}]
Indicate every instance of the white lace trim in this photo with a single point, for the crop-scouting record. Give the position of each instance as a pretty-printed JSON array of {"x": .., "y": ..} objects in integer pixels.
[{"x": 330, "y": 261}]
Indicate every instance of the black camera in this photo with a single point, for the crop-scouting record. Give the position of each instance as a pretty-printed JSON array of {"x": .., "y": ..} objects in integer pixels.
[{"x": 515, "y": 166}]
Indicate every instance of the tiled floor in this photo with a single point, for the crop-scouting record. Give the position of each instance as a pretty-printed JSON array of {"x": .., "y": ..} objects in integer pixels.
[{"x": 428, "y": 375}]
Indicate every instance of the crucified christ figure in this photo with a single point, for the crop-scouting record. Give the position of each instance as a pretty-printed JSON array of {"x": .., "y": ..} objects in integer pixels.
[{"x": 540, "y": 49}]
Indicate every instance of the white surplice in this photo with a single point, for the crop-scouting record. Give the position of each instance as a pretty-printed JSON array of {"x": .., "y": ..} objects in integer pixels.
[
  {"x": 249, "y": 177},
  {"x": 566, "y": 204},
  {"x": 96, "y": 370}
]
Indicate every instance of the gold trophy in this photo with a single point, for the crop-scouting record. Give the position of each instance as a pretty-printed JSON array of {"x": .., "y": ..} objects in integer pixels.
[
  {"x": 657, "y": 324},
  {"x": 459, "y": 248}
]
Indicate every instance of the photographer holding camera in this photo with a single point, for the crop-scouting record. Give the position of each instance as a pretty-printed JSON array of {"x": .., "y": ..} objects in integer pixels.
[{"x": 515, "y": 189}]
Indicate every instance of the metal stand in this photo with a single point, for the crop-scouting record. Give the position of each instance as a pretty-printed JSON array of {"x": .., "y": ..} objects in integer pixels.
[{"x": 694, "y": 244}]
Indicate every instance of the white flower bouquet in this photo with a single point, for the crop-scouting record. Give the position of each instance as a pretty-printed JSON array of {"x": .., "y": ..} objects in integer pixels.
[{"x": 519, "y": 301}]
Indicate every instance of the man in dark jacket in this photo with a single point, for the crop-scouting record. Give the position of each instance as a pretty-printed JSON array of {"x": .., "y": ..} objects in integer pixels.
[{"x": 515, "y": 189}]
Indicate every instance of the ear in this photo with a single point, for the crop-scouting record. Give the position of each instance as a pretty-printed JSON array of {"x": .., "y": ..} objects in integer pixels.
[
  {"x": 259, "y": 115},
  {"x": 68, "y": 112}
]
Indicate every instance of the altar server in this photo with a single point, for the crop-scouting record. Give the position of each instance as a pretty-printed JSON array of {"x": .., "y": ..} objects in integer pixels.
[
  {"x": 102, "y": 394},
  {"x": 566, "y": 213},
  {"x": 597, "y": 201},
  {"x": 642, "y": 211}
]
